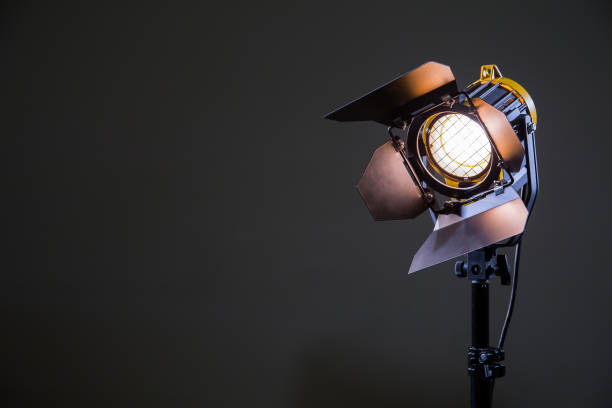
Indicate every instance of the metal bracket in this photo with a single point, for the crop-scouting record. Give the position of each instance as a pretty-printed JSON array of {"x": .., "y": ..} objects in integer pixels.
[
  {"x": 486, "y": 362},
  {"x": 489, "y": 72},
  {"x": 399, "y": 145},
  {"x": 484, "y": 263}
]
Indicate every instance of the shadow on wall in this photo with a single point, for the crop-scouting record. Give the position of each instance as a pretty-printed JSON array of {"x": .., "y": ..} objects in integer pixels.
[{"x": 336, "y": 376}]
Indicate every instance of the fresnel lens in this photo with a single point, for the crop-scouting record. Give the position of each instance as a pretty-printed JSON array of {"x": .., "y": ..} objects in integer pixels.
[{"x": 457, "y": 146}]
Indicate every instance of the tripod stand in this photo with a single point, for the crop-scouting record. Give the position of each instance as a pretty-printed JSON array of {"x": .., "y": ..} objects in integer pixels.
[{"x": 485, "y": 362}]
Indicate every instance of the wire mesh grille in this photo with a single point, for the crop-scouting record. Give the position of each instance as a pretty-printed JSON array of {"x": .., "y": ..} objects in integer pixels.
[{"x": 459, "y": 145}]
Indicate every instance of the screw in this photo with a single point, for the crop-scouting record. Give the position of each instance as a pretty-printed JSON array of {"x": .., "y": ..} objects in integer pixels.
[
  {"x": 476, "y": 269},
  {"x": 483, "y": 357}
]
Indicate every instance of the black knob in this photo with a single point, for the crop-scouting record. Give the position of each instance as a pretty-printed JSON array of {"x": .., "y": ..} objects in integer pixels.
[{"x": 461, "y": 269}]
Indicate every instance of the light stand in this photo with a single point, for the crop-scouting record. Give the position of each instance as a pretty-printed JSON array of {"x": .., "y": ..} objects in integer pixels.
[
  {"x": 484, "y": 362},
  {"x": 469, "y": 157}
]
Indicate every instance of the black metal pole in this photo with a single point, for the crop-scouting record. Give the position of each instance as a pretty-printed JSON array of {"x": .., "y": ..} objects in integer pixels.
[{"x": 481, "y": 386}]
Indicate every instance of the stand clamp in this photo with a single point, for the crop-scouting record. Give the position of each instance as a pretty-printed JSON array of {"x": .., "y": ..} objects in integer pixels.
[
  {"x": 482, "y": 264},
  {"x": 486, "y": 362}
]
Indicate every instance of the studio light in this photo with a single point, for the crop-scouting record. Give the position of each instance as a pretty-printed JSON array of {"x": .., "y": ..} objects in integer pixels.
[{"x": 469, "y": 158}]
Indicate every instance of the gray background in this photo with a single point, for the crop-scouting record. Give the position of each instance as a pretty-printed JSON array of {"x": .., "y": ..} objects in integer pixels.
[{"x": 187, "y": 232}]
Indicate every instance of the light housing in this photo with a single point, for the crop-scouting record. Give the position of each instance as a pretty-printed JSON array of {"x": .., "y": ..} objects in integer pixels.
[{"x": 460, "y": 154}]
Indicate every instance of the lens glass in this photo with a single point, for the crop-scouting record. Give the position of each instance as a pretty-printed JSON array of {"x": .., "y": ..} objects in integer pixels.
[{"x": 458, "y": 145}]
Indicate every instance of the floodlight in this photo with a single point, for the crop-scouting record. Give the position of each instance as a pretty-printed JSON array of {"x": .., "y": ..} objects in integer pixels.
[{"x": 469, "y": 158}]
